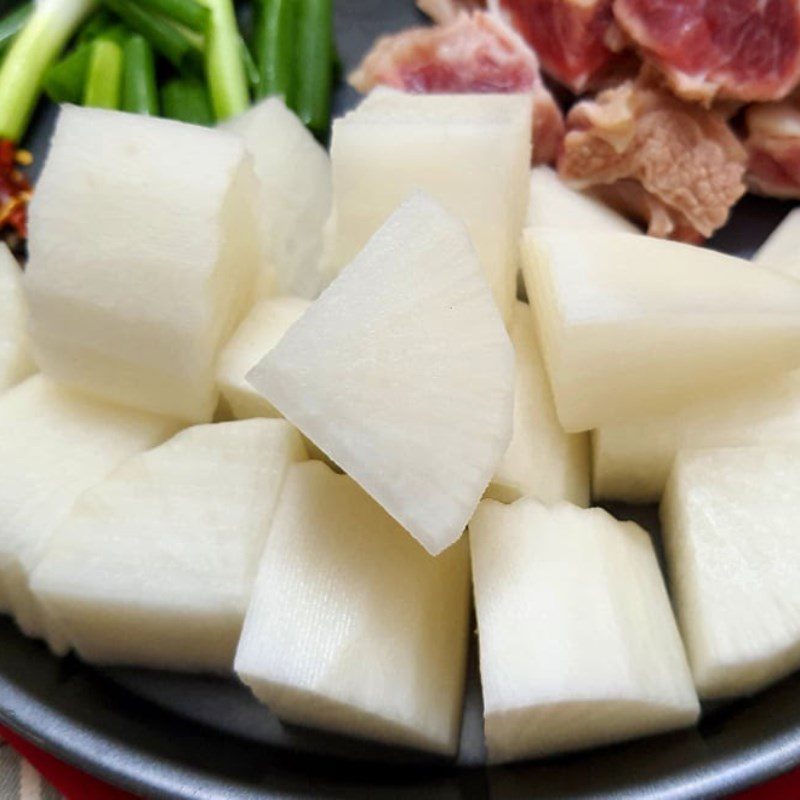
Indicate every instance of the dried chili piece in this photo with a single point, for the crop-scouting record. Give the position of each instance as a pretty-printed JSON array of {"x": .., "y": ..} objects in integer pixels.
[{"x": 15, "y": 193}]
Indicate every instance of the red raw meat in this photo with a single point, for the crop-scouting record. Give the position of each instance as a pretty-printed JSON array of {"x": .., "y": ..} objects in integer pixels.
[
  {"x": 735, "y": 49},
  {"x": 676, "y": 166},
  {"x": 773, "y": 148},
  {"x": 577, "y": 41},
  {"x": 473, "y": 53}
]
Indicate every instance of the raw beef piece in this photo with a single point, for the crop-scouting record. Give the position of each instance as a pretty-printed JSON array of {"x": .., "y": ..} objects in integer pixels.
[
  {"x": 676, "y": 166},
  {"x": 444, "y": 11},
  {"x": 773, "y": 148},
  {"x": 474, "y": 53},
  {"x": 577, "y": 41},
  {"x": 737, "y": 49}
]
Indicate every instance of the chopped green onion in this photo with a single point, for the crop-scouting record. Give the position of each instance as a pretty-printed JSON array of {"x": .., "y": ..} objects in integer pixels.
[
  {"x": 65, "y": 80},
  {"x": 186, "y": 99},
  {"x": 274, "y": 28},
  {"x": 96, "y": 25},
  {"x": 314, "y": 61},
  {"x": 103, "y": 81},
  {"x": 162, "y": 35},
  {"x": 250, "y": 66},
  {"x": 190, "y": 13},
  {"x": 139, "y": 92},
  {"x": 12, "y": 24},
  {"x": 35, "y": 48},
  {"x": 225, "y": 70}
]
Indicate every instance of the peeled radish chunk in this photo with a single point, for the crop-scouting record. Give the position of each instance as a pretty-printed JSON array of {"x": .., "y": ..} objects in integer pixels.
[
  {"x": 54, "y": 444},
  {"x": 352, "y": 626},
  {"x": 260, "y": 331},
  {"x": 142, "y": 258},
  {"x": 15, "y": 357},
  {"x": 632, "y": 460},
  {"x": 578, "y": 645},
  {"x": 553, "y": 204},
  {"x": 403, "y": 374},
  {"x": 294, "y": 175},
  {"x": 631, "y": 325},
  {"x": 542, "y": 461},
  {"x": 731, "y": 518},
  {"x": 154, "y": 566},
  {"x": 781, "y": 251},
  {"x": 471, "y": 154}
]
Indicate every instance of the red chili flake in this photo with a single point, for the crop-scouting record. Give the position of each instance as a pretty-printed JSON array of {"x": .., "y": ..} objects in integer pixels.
[{"x": 15, "y": 193}]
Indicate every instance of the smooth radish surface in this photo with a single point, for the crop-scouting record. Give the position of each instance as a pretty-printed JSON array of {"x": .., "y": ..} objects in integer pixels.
[
  {"x": 632, "y": 460},
  {"x": 403, "y": 374},
  {"x": 631, "y": 325},
  {"x": 578, "y": 644},
  {"x": 781, "y": 251},
  {"x": 54, "y": 444},
  {"x": 16, "y": 362},
  {"x": 155, "y": 564},
  {"x": 542, "y": 460},
  {"x": 730, "y": 522},
  {"x": 353, "y": 627},
  {"x": 294, "y": 196},
  {"x": 259, "y": 332},
  {"x": 553, "y": 204},
  {"x": 470, "y": 154},
  {"x": 142, "y": 258}
]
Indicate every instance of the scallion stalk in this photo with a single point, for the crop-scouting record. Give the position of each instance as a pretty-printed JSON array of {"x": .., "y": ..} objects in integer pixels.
[
  {"x": 139, "y": 91},
  {"x": 314, "y": 61},
  {"x": 274, "y": 26},
  {"x": 164, "y": 37},
  {"x": 35, "y": 48},
  {"x": 190, "y": 13},
  {"x": 11, "y": 24},
  {"x": 225, "y": 72},
  {"x": 250, "y": 66},
  {"x": 186, "y": 99},
  {"x": 65, "y": 80},
  {"x": 104, "y": 78}
]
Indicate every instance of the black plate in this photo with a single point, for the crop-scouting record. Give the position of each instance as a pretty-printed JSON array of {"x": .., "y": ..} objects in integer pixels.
[{"x": 173, "y": 736}]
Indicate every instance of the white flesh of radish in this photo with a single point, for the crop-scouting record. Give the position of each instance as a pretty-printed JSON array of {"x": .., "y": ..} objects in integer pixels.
[
  {"x": 781, "y": 251},
  {"x": 542, "y": 461},
  {"x": 142, "y": 258},
  {"x": 578, "y": 644},
  {"x": 16, "y": 362},
  {"x": 154, "y": 565},
  {"x": 54, "y": 444},
  {"x": 730, "y": 519},
  {"x": 631, "y": 325},
  {"x": 353, "y": 627},
  {"x": 403, "y": 374}
]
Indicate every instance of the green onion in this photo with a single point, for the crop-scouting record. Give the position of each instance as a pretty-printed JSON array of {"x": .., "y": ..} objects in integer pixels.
[
  {"x": 103, "y": 81},
  {"x": 162, "y": 35},
  {"x": 186, "y": 99},
  {"x": 65, "y": 80},
  {"x": 225, "y": 70},
  {"x": 139, "y": 92},
  {"x": 250, "y": 66},
  {"x": 96, "y": 25},
  {"x": 12, "y": 24},
  {"x": 34, "y": 49},
  {"x": 314, "y": 60},
  {"x": 274, "y": 27},
  {"x": 190, "y": 13}
]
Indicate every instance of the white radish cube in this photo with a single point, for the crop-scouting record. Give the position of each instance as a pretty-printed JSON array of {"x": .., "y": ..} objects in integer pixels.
[
  {"x": 578, "y": 644},
  {"x": 294, "y": 196},
  {"x": 631, "y": 325},
  {"x": 542, "y": 460},
  {"x": 352, "y": 626},
  {"x": 55, "y": 444},
  {"x": 781, "y": 251},
  {"x": 553, "y": 204},
  {"x": 259, "y": 332},
  {"x": 473, "y": 158},
  {"x": 142, "y": 258},
  {"x": 730, "y": 519},
  {"x": 154, "y": 565},
  {"x": 632, "y": 460},
  {"x": 16, "y": 362},
  {"x": 403, "y": 374}
]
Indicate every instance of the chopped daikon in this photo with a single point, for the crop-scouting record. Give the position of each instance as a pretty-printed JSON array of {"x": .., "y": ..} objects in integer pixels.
[{"x": 16, "y": 362}]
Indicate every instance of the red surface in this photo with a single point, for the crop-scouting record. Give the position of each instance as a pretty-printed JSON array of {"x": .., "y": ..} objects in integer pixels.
[{"x": 76, "y": 785}]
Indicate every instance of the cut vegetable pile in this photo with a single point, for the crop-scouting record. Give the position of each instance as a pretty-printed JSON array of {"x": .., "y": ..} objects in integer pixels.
[{"x": 285, "y": 418}]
